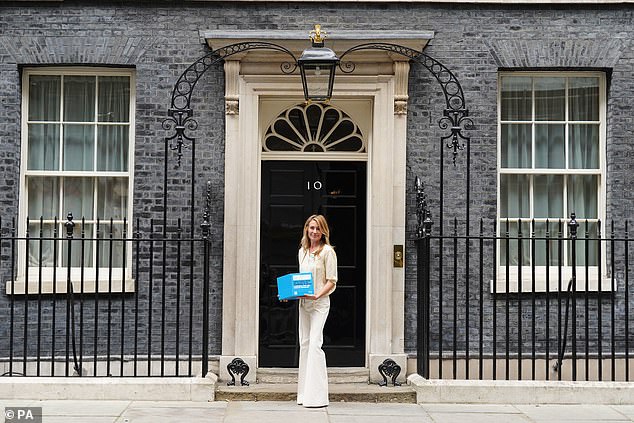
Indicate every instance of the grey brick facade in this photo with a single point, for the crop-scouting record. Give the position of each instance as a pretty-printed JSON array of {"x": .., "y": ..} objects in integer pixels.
[{"x": 160, "y": 39}]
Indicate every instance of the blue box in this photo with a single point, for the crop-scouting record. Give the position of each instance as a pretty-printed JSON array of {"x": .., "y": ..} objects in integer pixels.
[{"x": 294, "y": 285}]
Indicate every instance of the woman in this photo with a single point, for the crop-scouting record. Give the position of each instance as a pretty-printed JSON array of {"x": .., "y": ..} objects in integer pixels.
[{"x": 317, "y": 256}]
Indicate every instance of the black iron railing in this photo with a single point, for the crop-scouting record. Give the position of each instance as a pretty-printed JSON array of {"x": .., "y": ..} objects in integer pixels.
[
  {"x": 540, "y": 300},
  {"x": 129, "y": 304}
]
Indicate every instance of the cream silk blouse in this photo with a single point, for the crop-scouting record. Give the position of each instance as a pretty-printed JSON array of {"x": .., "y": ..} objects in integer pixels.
[{"x": 323, "y": 266}]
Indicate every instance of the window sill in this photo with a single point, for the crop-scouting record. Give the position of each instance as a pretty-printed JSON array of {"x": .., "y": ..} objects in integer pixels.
[
  {"x": 555, "y": 282},
  {"x": 36, "y": 287}
]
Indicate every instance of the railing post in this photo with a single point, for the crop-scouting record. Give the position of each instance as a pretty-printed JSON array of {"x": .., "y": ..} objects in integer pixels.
[
  {"x": 12, "y": 264},
  {"x": 70, "y": 227},
  {"x": 206, "y": 226},
  {"x": 423, "y": 260},
  {"x": 627, "y": 302},
  {"x": 573, "y": 225}
]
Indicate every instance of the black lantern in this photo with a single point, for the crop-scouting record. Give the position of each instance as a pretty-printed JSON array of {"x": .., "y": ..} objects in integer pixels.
[{"x": 317, "y": 66}]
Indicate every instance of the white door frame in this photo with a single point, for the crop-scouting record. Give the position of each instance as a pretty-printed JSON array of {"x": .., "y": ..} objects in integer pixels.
[{"x": 386, "y": 207}]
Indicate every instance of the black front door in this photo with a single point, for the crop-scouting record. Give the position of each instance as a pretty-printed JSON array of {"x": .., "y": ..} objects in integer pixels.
[{"x": 292, "y": 191}]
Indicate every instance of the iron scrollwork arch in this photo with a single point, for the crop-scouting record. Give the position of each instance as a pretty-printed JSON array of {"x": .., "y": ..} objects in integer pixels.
[
  {"x": 455, "y": 116},
  {"x": 180, "y": 114}
]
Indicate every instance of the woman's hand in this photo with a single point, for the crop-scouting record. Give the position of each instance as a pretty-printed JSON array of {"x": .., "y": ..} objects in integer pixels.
[
  {"x": 310, "y": 297},
  {"x": 324, "y": 291}
]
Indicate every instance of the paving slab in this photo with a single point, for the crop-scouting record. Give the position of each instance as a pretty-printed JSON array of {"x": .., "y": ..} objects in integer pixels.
[
  {"x": 183, "y": 404},
  {"x": 379, "y": 419},
  {"x": 365, "y": 409},
  {"x": 16, "y": 402},
  {"x": 171, "y": 411},
  {"x": 185, "y": 413},
  {"x": 574, "y": 413},
  {"x": 79, "y": 419},
  {"x": 471, "y": 408},
  {"x": 479, "y": 418},
  {"x": 474, "y": 413},
  {"x": 235, "y": 413},
  {"x": 101, "y": 411},
  {"x": 78, "y": 408},
  {"x": 626, "y": 410},
  {"x": 600, "y": 420}
]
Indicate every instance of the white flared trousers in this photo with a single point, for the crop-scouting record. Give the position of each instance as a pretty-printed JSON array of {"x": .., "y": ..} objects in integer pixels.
[{"x": 312, "y": 384}]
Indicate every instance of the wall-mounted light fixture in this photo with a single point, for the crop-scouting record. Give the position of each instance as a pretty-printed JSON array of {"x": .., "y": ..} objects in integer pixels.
[{"x": 317, "y": 66}]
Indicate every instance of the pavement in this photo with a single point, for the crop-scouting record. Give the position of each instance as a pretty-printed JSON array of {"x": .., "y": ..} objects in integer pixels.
[{"x": 102, "y": 411}]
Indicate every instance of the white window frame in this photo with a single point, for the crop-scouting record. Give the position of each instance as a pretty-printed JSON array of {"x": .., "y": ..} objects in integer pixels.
[
  {"x": 116, "y": 281},
  {"x": 556, "y": 282}
]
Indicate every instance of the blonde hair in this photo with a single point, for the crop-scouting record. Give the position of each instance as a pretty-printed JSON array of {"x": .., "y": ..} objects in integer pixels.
[{"x": 325, "y": 233}]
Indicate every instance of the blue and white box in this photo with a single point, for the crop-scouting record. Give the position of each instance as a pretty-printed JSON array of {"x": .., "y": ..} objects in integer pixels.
[{"x": 294, "y": 285}]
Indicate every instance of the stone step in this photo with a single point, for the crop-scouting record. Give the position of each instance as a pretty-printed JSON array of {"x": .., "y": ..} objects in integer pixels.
[
  {"x": 335, "y": 375},
  {"x": 341, "y": 392}
]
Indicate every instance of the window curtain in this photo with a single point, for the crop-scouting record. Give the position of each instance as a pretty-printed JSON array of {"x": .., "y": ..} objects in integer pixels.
[
  {"x": 43, "y": 154},
  {"x": 516, "y": 146},
  {"x": 112, "y": 155},
  {"x": 43, "y": 205},
  {"x": 112, "y": 148},
  {"x": 582, "y": 200},
  {"x": 112, "y": 207},
  {"x": 584, "y": 147},
  {"x": 79, "y": 199},
  {"x": 516, "y": 98},
  {"x": 550, "y": 99},
  {"x": 79, "y": 147},
  {"x": 548, "y": 204},
  {"x": 44, "y": 106},
  {"x": 550, "y": 146},
  {"x": 112, "y": 198},
  {"x": 79, "y": 98},
  {"x": 583, "y": 99},
  {"x": 79, "y": 106},
  {"x": 514, "y": 204},
  {"x": 44, "y": 98},
  {"x": 114, "y": 103},
  {"x": 583, "y": 153}
]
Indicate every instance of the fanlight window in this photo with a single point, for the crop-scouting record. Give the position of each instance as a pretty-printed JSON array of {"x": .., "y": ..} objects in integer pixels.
[{"x": 314, "y": 128}]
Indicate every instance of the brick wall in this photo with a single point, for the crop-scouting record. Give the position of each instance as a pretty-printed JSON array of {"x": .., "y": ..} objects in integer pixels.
[{"x": 160, "y": 39}]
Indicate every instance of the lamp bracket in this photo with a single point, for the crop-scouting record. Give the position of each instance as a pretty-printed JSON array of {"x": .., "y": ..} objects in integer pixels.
[{"x": 455, "y": 116}]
